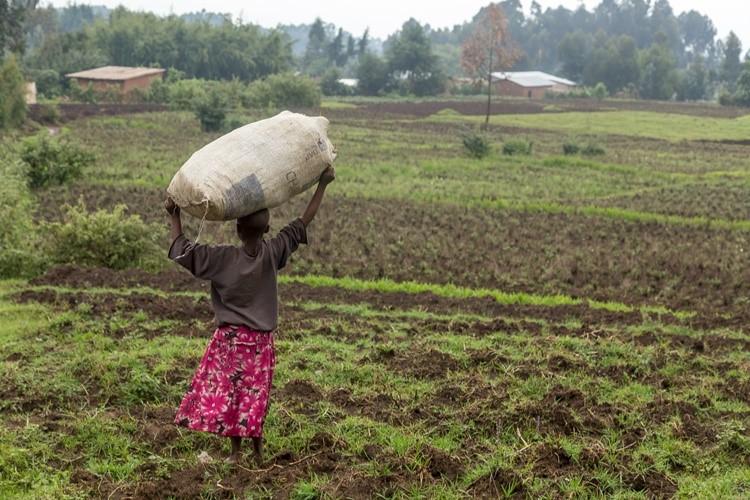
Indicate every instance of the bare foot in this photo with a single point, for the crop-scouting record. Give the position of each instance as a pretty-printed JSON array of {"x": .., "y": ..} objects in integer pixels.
[{"x": 232, "y": 459}]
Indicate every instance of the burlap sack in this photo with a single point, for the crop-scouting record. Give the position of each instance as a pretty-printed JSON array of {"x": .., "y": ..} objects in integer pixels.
[{"x": 260, "y": 165}]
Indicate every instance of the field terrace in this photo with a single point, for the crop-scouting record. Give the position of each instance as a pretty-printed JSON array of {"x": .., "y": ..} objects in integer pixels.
[{"x": 541, "y": 326}]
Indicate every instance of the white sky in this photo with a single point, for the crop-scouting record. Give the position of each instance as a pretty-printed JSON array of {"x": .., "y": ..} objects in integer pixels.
[{"x": 386, "y": 16}]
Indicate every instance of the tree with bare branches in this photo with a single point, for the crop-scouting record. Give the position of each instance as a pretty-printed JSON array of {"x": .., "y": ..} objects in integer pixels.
[{"x": 489, "y": 49}]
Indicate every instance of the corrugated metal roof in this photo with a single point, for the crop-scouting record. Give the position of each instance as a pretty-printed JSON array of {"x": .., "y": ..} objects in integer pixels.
[
  {"x": 115, "y": 73},
  {"x": 532, "y": 78}
]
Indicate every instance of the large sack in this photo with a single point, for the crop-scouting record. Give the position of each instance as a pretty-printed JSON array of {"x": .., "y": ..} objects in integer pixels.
[{"x": 260, "y": 165}]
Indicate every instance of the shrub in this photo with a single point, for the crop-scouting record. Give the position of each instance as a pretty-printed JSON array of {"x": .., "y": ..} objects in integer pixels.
[
  {"x": 571, "y": 148},
  {"x": 517, "y": 147},
  {"x": 330, "y": 84},
  {"x": 211, "y": 112},
  {"x": 50, "y": 162},
  {"x": 19, "y": 242},
  {"x": 592, "y": 149},
  {"x": 477, "y": 145},
  {"x": 12, "y": 94},
  {"x": 282, "y": 90},
  {"x": 47, "y": 83},
  {"x": 600, "y": 91},
  {"x": 103, "y": 238}
]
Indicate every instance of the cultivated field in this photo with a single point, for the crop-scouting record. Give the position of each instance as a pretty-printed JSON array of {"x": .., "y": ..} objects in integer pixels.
[{"x": 534, "y": 326}]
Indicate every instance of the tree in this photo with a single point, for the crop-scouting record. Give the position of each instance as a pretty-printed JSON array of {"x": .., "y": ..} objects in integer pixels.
[
  {"x": 12, "y": 94},
  {"x": 12, "y": 13},
  {"x": 731, "y": 66},
  {"x": 351, "y": 48},
  {"x": 489, "y": 49},
  {"x": 658, "y": 76},
  {"x": 694, "y": 81},
  {"x": 742, "y": 94},
  {"x": 614, "y": 62},
  {"x": 698, "y": 32},
  {"x": 336, "y": 53},
  {"x": 410, "y": 57},
  {"x": 573, "y": 53},
  {"x": 316, "y": 54},
  {"x": 363, "y": 42},
  {"x": 372, "y": 74}
]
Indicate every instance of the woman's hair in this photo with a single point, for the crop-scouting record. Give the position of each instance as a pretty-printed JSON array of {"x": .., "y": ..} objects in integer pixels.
[{"x": 254, "y": 225}]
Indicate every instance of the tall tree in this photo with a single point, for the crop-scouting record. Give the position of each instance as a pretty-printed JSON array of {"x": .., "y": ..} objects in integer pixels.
[
  {"x": 316, "y": 52},
  {"x": 658, "y": 76},
  {"x": 694, "y": 81},
  {"x": 573, "y": 53},
  {"x": 698, "y": 32},
  {"x": 372, "y": 74},
  {"x": 489, "y": 49},
  {"x": 363, "y": 42},
  {"x": 731, "y": 66},
  {"x": 351, "y": 47},
  {"x": 410, "y": 57},
  {"x": 12, "y": 13},
  {"x": 336, "y": 53}
]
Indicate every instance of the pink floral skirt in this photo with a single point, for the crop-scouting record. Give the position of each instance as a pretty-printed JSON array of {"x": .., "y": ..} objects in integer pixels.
[{"x": 229, "y": 392}]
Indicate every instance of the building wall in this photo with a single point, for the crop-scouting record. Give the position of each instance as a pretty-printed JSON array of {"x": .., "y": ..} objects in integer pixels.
[
  {"x": 508, "y": 88},
  {"x": 125, "y": 86},
  {"x": 30, "y": 92},
  {"x": 141, "y": 83}
]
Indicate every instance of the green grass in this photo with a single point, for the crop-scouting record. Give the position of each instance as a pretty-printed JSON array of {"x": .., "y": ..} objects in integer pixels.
[{"x": 671, "y": 127}]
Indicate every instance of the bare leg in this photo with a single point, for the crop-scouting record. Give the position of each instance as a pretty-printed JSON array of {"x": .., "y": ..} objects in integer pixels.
[
  {"x": 258, "y": 447},
  {"x": 234, "y": 457}
]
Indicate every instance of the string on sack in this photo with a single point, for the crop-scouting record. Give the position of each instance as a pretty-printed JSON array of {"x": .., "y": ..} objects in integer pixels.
[{"x": 200, "y": 230}]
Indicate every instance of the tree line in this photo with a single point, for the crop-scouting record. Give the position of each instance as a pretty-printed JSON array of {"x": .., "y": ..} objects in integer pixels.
[{"x": 637, "y": 48}]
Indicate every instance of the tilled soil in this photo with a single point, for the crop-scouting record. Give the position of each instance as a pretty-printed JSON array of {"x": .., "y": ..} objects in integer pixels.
[{"x": 592, "y": 257}]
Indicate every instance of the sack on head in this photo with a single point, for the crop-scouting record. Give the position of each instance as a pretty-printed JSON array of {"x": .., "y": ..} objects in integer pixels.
[{"x": 260, "y": 165}]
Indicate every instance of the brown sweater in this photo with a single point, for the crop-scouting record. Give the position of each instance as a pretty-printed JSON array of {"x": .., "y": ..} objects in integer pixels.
[{"x": 243, "y": 288}]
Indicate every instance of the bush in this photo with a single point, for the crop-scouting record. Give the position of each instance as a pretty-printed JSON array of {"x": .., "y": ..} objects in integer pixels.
[
  {"x": 600, "y": 91},
  {"x": 12, "y": 94},
  {"x": 517, "y": 147},
  {"x": 571, "y": 148},
  {"x": 477, "y": 145},
  {"x": 282, "y": 90},
  {"x": 103, "y": 238},
  {"x": 50, "y": 162},
  {"x": 19, "y": 242},
  {"x": 592, "y": 149},
  {"x": 211, "y": 112},
  {"x": 47, "y": 83},
  {"x": 330, "y": 84}
]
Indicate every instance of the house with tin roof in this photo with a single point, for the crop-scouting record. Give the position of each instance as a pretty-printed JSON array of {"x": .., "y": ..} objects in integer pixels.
[
  {"x": 530, "y": 84},
  {"x": 123, "y": 78}
]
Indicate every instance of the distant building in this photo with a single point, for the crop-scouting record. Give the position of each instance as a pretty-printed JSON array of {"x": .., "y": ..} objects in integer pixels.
[
  {"x": 530, "y": 84},
  {"x": 30, "y": 92},
  {"x": 349, "y": 82},
  {"x": 122, "y": 78}
]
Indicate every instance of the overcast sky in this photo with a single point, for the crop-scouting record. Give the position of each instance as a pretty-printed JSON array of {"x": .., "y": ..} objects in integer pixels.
[{"x": 386, "y": 16}]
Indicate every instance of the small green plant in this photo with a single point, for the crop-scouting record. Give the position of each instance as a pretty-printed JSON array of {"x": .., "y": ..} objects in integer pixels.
[
  {"x": 517, "y": 147},
  {"x": 102, "y": 238},
  {"x": 571, "y": 148},
  {"x": 477, "y": 144},
  {"x": 52, "y": 162},
  {"x": 593, "y": 149}
]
